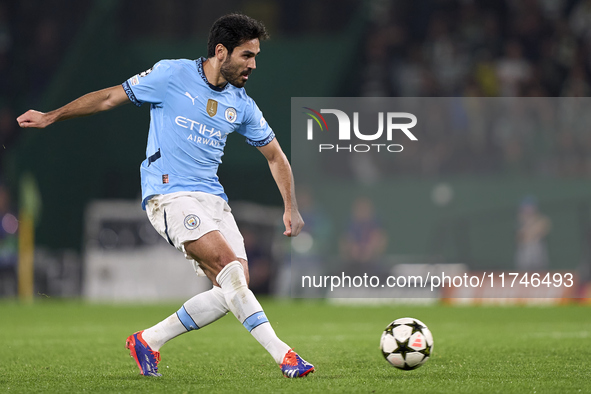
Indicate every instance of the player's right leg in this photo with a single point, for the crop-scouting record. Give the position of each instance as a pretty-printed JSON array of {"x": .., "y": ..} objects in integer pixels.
[
  {"x": 199, "y": 311},
  {"x": 196, "y": 313}
]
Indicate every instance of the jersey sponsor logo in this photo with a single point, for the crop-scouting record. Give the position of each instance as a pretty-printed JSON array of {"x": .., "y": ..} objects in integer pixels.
[
  {"x": 203, "y": 140},
  {"x": 191, "y": 97},
  {"x": 192, "y": 222},
  {"x": 231, "y": 115},
  {"x": 212, "y": 107},
  {"x": 134, "y": 80},
  {"x": 200, "y": 128}
]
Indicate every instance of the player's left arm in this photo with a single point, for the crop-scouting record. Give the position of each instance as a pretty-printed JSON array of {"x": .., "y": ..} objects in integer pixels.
[{"x": 283, "y": 176}]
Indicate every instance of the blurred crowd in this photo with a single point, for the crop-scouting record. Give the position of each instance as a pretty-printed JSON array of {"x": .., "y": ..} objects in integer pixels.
[
  {"x": 487, "y": 48},
  {"x": 189, "y": 19},
  {"x": 479, "y": 136},
  {"x": 478, "y": 48}
]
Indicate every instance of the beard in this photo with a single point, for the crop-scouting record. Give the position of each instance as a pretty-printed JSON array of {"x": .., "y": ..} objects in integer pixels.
[{"x": 233, "y": 74}]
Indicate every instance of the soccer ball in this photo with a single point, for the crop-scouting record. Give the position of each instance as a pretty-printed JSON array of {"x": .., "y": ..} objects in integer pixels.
[{"x": 406, "y": 343}]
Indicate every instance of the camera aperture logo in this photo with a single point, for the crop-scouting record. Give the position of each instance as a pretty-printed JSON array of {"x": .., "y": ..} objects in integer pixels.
[{"x": 344, "y": 133}]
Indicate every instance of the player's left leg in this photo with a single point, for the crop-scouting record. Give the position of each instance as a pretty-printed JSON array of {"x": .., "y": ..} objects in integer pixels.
[
  {"x": 291, "y": 364},
  {"x": 223, "y": 268},
  {"x": 244, "y": 305}
]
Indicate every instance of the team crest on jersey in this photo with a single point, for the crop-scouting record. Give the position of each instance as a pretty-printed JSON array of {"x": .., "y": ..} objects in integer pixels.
[
  {"x": 231, "y": 115},
  {"x": 212, "y": 107},
  {"x": 192, "y": 222}
]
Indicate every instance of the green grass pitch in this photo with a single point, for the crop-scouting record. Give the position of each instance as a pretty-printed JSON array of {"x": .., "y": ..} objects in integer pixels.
[{"x": 64, "y": 346}]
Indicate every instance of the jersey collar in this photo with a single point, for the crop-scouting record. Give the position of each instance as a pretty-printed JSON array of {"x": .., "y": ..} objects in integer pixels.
[{"x": 199, "y": 63}]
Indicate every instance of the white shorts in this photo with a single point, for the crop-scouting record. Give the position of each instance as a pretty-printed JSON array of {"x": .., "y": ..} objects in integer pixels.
[{"x": 186, "y": 216}]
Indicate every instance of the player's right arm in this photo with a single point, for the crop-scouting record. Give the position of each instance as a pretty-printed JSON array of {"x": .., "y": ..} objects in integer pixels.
[{"x": 91, "y": 103}]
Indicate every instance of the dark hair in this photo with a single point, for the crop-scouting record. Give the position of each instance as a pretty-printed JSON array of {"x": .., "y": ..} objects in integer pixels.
[{"x": 232, "y": 30}]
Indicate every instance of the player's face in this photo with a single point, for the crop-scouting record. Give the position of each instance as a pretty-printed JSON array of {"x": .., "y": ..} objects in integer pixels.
[{"x": 238, "y": 66}]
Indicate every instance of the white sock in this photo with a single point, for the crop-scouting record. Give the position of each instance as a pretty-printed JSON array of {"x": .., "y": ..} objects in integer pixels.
[
  {"x": 199, "y": 311},
  {"x": 244, "y": 305},
  {"x": 266, "y": 336}
]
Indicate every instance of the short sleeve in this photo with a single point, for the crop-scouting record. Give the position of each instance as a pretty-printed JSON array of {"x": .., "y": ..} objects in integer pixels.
[
  {"x": 149, "y": 86},
  {"x": 255, "y": 127}
]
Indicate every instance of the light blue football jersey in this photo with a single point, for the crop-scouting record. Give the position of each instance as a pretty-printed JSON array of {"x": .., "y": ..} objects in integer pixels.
[{"x": 190, "y": 120}]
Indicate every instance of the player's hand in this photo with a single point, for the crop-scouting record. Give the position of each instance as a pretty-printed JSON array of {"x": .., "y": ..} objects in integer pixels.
[
  {"x": 293, "y": 223},
  {"x": 32, "y": 118}
]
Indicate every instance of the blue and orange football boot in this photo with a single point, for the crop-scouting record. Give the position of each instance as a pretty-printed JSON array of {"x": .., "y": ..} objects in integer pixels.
[
  {"x": 146, "y": 358},
  {"x": 293, "y": 366}
]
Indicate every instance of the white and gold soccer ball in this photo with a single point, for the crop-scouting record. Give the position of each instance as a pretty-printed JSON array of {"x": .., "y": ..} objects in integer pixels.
[{"x": 406, "y": 343}]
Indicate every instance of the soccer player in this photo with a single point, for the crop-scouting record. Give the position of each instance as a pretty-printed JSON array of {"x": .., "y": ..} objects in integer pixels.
[{"x": 194, "y": 105}]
